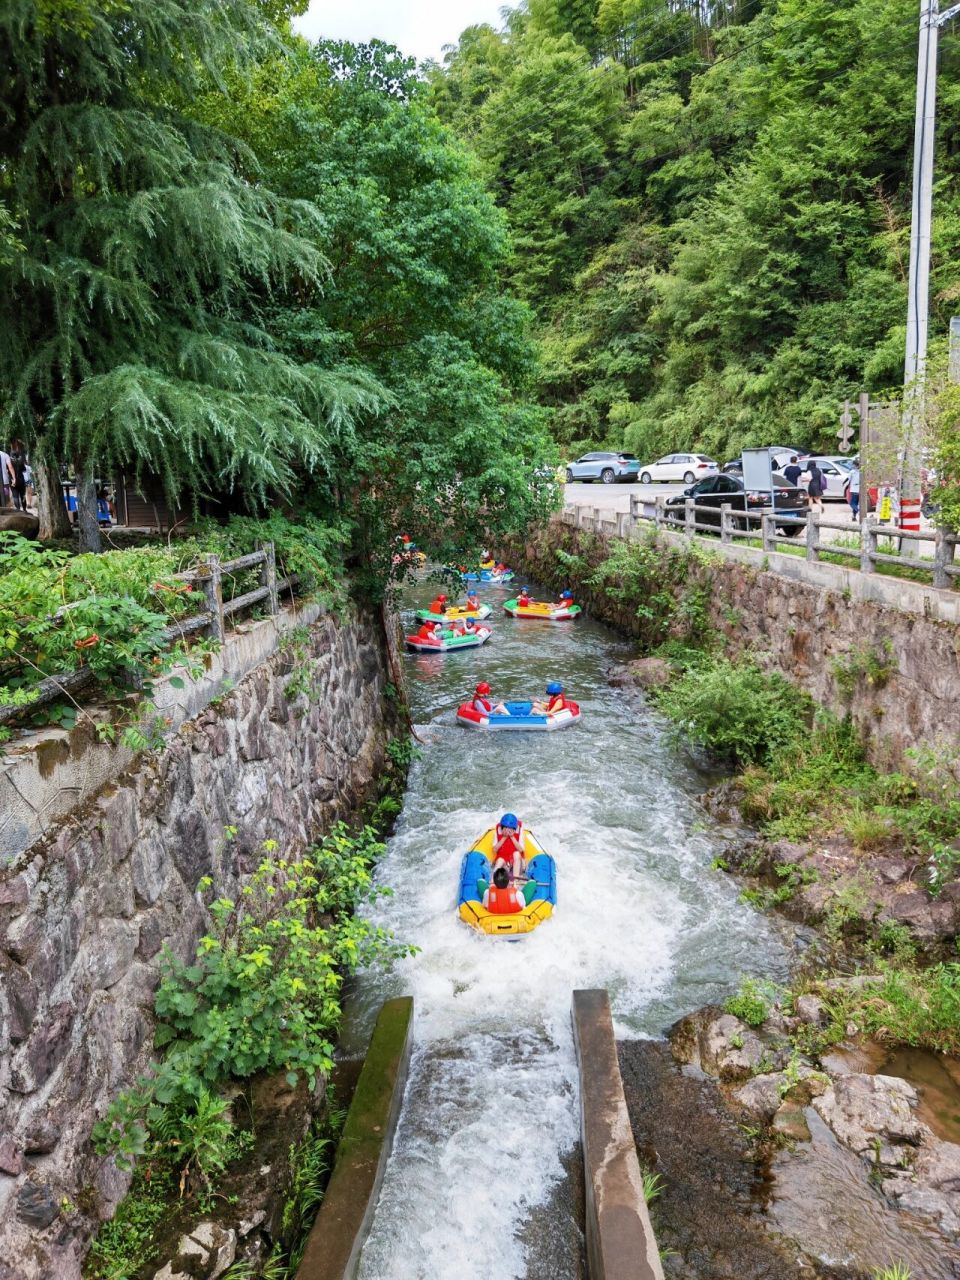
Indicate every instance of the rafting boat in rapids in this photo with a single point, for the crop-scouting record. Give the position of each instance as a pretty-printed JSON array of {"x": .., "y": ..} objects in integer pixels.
[
  {"x": 448, "y": 640},
  {"x": 493, "y": 576},
  {"x": 521, "y": 717},
  {"x": 541, "y": 610},
  {"x": 475, "y": 873},
  {"x": 456, "y": 613}
]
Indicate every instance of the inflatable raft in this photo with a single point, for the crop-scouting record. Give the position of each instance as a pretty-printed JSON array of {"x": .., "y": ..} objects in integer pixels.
[
  {"x": 521, "y": 717},
  {"x": 478, "y": 865},
  {"x": 488, "y": 575},
  {"x": 542, "y": 610},
  {"x": 449, "y": 640},
  {"x": 456, "y": 614}
]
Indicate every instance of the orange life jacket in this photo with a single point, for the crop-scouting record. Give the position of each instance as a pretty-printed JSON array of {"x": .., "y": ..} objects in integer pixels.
[
  {"x": 557, "y": 703},
  {"x": 437, "y": 606},
  {"x": 503, "y": 902}
]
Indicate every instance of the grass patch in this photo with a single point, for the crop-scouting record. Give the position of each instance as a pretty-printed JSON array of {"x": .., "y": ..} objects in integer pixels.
[{"x": 126, "y": 1242}]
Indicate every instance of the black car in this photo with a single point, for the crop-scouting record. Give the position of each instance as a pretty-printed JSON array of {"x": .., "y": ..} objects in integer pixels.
[
  {"x": 714, "y": 491},
  {"x": 733, "y": 468}
]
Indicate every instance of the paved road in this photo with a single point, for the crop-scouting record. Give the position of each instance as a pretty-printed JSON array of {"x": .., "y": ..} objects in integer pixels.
[{"x": 614, "y": 497}]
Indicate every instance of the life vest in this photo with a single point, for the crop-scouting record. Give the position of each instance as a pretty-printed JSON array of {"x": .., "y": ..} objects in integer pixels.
[
  {"x": 523, "y": 601},
  {"x": 503, "y": 902},
  {"x": 426, "y": 632},
  {"x": 483, "y": 706},
  {"x": 508, "y": 843},
  {"x": 557, "y": 703},
  {"x": 437, "y": 606}
]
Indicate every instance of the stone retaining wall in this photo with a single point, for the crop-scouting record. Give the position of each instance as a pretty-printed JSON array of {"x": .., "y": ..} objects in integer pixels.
[
  {"x": 804, "y": 630},
  {"x": 85, "y": 911}
]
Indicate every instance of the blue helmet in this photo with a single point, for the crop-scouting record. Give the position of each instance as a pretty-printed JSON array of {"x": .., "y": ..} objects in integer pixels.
[
  {"x": 524, "y": 590},
  {"x": 510, "y": 820},
  {"x": 554, "y": 687},
  {"x": 566, "y": 595}
]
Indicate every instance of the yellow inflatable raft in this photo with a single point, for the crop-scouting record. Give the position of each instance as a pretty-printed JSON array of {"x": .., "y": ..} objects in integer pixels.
[{"x": 477, "y": 865}]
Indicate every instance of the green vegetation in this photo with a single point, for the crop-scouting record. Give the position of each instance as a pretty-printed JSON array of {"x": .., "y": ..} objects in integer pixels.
[
  {"x": 262, "y": 994},
  {"x": 751, "y": 1003},
  {"x": 661, "y": 583},
  {"x": 260, "y": 272},
  {"x": 736, "y": 709},
  {"x": 872, "y": 663},
  {"x": 126, "y": 1242},
  {"x": 897, "y": 1272},
  {"x": 915, "y": 1007},
  {"x": 822, "y": 782},
  {"x": 710, "y": 206}
]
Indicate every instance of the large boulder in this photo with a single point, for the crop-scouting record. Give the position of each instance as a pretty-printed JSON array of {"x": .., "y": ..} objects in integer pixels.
[
  {"x": 718, "y": 1043},
  {"x": 21, "y": 522},
  {"x": 932, "y": 1186},
  {"x": 874, "y": 1116}
]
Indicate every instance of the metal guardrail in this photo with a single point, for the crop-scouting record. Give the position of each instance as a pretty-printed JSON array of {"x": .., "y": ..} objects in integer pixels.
[
  {"x": 734, "y": 525},
  {"x": 207, "y": 576}
]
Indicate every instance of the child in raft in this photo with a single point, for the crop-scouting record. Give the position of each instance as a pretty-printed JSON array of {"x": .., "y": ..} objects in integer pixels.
[
  {"x": 508, "y": 846},
  {"x": 523, "y": 599},
  {"x": 555, "y": 701},
  {"x": 438, "y": 605}
]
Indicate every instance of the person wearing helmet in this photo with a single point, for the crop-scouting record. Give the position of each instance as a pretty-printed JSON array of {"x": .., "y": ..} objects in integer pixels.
[
  {"x": 430, "y": 631},
  {"x": 473, "y": 600},
  {"x": 438, "y": 605},
  {"x": 508, "y": 846},
  {"x": 555, "y": 700},
  {"x": 523, "y": 599},
  {"x": 566, "y": 600},
  {"x": 483, "y": 705}
]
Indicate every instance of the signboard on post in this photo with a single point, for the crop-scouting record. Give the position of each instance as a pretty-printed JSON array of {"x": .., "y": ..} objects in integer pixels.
[{"x": 757, "y": 470}]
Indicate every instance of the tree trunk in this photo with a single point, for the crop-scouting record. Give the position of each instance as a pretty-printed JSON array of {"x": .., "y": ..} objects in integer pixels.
[
  {"x": 51, "y": 509},
  {"x": 87, "y": 506}
]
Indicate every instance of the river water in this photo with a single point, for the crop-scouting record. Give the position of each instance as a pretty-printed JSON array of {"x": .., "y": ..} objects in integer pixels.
[{"x": 491, "y": 1109}]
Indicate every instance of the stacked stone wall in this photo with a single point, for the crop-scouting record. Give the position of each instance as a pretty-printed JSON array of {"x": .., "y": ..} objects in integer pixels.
[
  {"x": 810, "y": 632},
  {"x": 86, "y": 911}
]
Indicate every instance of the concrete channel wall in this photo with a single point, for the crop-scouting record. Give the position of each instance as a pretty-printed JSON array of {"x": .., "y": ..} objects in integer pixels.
[
  {"x": 338, "y": 1235},
  {"x": 620, "y": 1239}
]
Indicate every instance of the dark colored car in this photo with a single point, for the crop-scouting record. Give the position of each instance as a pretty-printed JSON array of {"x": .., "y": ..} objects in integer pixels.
[
  {"x": 714, "y": 491},
  {"x": 733, "y": 468}
]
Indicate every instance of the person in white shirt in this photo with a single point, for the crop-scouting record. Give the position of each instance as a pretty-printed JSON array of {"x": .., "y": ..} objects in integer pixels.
[{"x": 7, "y": 477}]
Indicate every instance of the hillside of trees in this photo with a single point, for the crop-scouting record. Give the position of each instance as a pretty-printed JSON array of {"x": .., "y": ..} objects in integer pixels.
[{"x": 709, "y": 202}]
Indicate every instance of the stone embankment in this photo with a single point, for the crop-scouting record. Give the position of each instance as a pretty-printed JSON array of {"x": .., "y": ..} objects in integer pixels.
[
  {"x": 86, "y": 909},
  {"x": 895, "y": 672}
]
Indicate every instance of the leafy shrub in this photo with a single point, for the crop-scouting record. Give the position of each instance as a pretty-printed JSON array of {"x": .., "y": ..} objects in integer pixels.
[
  {"x": 737, "y": 710},
  {"x": 262, "y": 994},
  {"x": 657, "y": 581},
  {"x": 750, "y": 1004}
]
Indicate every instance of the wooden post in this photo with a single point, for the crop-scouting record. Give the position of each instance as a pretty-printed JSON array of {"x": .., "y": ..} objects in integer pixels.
[
  {"x": 726, "y": 527},
  {"x": 213, "y": 591},
  {"x": 658, "y": 506},
  {"x": 813, "y": 535},
  {"x": 868, "y": 546},
  {"x": 268, "y": 575},
  {"x": 689, "y": 517},
  {"x": 768, "y": 532},
  {"x": 943, "y": 553}
]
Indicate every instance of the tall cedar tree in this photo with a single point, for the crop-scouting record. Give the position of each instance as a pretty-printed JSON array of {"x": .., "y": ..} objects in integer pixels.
[{"x": 142, "y": 251}]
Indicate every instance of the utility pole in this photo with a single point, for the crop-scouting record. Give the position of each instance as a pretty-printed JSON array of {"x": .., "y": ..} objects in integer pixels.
[{"x": 918, "y": 302}]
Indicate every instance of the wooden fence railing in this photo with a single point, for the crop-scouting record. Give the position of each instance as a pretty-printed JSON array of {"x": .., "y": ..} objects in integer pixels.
[
  {"x": 207, "y": 576},
  {"x": 780, "y": 529}
]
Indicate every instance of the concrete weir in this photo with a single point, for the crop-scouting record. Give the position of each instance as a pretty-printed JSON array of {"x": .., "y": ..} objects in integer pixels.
[
  {"x": 334, "y": 1244},
  {"x": 620, "y": 1239}
]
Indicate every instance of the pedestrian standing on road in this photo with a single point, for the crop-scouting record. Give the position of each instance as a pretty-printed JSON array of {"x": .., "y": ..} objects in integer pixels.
[
  {"x": 815, "y": 487},
  {"x": 793, "y": 472},
  {"x": 853, "y": 493}
]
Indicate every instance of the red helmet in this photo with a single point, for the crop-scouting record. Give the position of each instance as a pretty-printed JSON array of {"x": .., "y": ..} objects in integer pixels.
[
  {"x": 443, "y": 598},
  {"x": 483, "y": 688}
]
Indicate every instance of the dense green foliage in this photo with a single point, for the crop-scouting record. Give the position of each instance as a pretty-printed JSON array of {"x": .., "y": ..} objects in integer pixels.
[
  {"x": 710, "y": 207},
  {"x": 736, "y": 709},
  {"x": 262, "y": 994},
  {"x": 258, "y": 271}
]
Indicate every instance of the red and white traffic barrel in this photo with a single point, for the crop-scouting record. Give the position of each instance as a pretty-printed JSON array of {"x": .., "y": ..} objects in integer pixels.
[{"x": 910, "y": 514}]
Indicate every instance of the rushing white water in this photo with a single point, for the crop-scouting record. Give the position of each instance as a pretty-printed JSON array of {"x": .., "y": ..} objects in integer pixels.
[{"x": 491, "y": 1105}]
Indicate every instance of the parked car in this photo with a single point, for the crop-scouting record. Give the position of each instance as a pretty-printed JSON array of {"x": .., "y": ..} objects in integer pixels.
[
  {"x": 732, "y": 468},
  {"x": 688, "y": 467},
  {"x": 607, "y": 467},
  {"x": 836, "y": 472},
  {"x": 781, "y": 458},
  {"x": 714, "y": 491}
]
